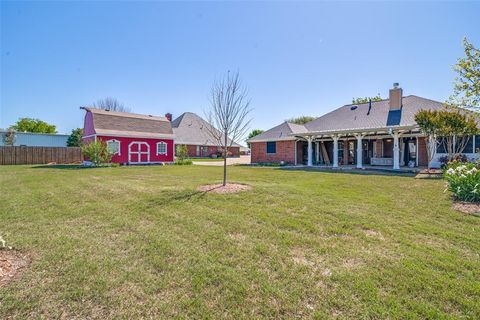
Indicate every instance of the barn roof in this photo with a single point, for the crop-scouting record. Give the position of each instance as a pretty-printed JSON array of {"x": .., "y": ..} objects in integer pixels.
[
  {"x": 189, "y": 128},
  {"x": 129, "y": 124}
]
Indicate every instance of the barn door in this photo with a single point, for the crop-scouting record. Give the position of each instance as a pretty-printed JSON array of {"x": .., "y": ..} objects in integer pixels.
[{"x": 138, "y": 152}]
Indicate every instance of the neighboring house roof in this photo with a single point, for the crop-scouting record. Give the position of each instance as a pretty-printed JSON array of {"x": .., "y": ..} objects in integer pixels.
[
  {"x": 361, "y": 116},
  {"x": 129, "y": 124},
  {"x": 191, "y": 129},
  {"x": 284, "y": 131}
]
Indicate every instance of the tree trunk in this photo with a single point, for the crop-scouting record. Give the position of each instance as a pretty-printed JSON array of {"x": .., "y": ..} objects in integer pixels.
[{"x": 225, "y": 160}]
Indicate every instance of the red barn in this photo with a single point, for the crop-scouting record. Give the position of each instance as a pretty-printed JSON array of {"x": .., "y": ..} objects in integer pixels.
[{"x": 133, "y": 138}]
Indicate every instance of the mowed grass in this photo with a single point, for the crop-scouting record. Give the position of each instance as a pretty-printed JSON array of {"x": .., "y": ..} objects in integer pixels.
[{"x": 135, "y": 242}]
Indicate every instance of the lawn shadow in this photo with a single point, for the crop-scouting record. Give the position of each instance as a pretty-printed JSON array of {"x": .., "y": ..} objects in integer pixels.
[
  {"x": 60, "y": 166},
  {"x": 366, "y": 172}
]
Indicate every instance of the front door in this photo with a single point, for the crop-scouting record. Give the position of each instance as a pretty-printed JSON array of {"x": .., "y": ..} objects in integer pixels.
[{"x": 138, "y": 152}]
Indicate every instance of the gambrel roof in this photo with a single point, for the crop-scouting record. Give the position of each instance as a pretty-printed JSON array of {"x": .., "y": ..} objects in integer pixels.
[{"x": 129, "y": 124}]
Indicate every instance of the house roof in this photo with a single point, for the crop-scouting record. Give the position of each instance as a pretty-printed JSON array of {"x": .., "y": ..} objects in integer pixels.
[
  {"x": 361, "y": 116},
  {"x": 284, "y": 131},
  {"x": 129, "y": 124},
  {"x": 354, "y": 117},
  {"x": 189, "y": 128}
]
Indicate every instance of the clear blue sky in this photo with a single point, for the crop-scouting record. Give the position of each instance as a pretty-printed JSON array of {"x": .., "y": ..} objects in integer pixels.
[{"x": 296, "y": 58}]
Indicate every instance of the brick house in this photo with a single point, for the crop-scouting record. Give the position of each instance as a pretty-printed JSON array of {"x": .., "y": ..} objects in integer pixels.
[
  {"x": 381, "y": 133},
  {"x": 194, "y": 132}
]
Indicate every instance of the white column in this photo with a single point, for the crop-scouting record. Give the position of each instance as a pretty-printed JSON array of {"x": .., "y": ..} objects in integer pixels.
[
  {"x": 396, "y": 151},
  {"x": 359, "y": 151},
  {"x": 309, "y": 151},
  {"x": 335, "y": 151},
  {"x": 317, "y": 152}
]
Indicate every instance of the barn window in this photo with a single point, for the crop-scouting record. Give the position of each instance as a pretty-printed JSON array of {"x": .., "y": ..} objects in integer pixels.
[
  {"x": 113, "y": 146},
  {"x": 161, "y": 148},
  {"x": 272, "y": 147}
]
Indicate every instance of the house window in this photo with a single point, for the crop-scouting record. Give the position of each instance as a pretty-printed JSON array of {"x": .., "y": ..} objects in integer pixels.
[
  {"x": 469, "y": 145},
  {"x": 272, "y": 147},
  {"x": 161, "y": 148},
  {"x": 113, "y": 146}
]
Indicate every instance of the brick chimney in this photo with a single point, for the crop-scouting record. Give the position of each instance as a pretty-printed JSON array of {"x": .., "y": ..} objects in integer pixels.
[
  {"x": 395, "y": 98},
  {"x": 168, "y": 116}
]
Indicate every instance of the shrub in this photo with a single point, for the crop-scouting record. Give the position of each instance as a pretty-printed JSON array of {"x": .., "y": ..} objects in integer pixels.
[
  {"x": 181, "y": 152},
  {"x": 458, "y": 158},
  {"x": 97, "y": 152},
  {"x": 183, "y": 162},
  {"x": 463, "y": 180}
]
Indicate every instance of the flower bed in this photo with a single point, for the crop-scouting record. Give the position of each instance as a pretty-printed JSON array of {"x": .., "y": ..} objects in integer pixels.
[{"x": 463, "y": 180}]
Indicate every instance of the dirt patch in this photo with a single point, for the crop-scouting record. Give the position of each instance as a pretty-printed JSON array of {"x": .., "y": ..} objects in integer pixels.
[
  {"x": 430, "y": 174},
  {"x": 373, "y": 234},
  {"x": 467, "y": 207},
  {"x": 229, "y": 188},
  {"x": 12, "y": 263}
]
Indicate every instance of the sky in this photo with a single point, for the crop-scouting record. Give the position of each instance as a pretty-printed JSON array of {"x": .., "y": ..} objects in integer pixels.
[{"x": 157, "y": 57}]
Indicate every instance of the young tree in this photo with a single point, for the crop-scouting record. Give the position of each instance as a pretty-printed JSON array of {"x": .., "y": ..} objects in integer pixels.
[
  {"x": 111, "y": 104},
  {"x": 366, "y": 99},
  {"x": 33, "y": 125},
  {"x": 75, "y": 139},
  {"x": 228, "y": 114},
  {"x": 467, "y": 84},
  {"x": 301, "y": 119},
  {"x": 253, "y": 133}
]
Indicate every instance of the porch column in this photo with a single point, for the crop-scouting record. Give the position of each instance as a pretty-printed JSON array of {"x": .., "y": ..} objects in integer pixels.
[
  {"x": 309, "y": 151},
  {"x": 317, "y": 152},
  {"x": 335, "y": 150},
  {"x": 396, "y": 151},
  {"x": 359, "y": 150}
]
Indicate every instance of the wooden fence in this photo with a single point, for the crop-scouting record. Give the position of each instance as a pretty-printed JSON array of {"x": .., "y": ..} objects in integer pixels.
[{"x": 39, "y": 155}]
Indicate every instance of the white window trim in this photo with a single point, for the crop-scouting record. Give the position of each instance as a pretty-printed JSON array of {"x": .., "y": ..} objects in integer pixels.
[
  {"x": 139, "y": 153},
  {"x": 119, "y": 145},
  {"x": 166, "y": 148}
]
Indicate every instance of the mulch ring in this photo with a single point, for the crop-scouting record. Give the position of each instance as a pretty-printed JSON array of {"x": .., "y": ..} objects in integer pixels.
[
  {"x": 467, "y": 207},
  {"x": 229, "y": 188},
  {"x": 12, "y": 263}
]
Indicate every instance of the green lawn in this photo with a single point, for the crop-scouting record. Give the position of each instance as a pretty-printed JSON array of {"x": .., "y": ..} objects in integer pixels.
[{"x": 134, "y": 242}]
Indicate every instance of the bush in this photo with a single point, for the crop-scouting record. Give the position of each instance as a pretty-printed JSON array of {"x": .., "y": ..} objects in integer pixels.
[
  {"x": 181, "y": 152},
  {"x": 97, "y": 152},
  {"x": 183, "y": 162},
  {"x": 463, "y": 180},
  {"x": 459, "y": 158}
]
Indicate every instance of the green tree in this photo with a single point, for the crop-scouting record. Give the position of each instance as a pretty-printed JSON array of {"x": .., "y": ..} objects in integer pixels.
[
  {"x": 452, "y": 127},
  {"x": 181, "y": 152},
  {"x": 9, "y": 137},
  {"x": 33, "y": 125},
  {"x": 97, "y": 152},
  {"x": 366, "y": 99},
  {"x": 75, "y": 139},
  {"x": 300, "y": 120},
  {"x": 253, "y": 133},
  {"x": 466, "y": 91}
]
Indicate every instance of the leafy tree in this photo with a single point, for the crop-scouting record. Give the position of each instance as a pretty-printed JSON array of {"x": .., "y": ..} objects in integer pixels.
[
  {"x": 366, "y": 99},
  {"x": 111, "y": 104},
  {"x": 253, "y": 133},
  {"x": 301, "y": 119},
  {"x": 33, "y": 125},
  {"x": 97, "y": 152},
  {"x": 75, "y": 139},
  {"x": 466, "y": 91},
  {"x": 451, "y": 127}
]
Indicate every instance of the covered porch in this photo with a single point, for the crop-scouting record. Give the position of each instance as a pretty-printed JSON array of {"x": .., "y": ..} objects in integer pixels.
[{"x": 382, "y": 148}]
